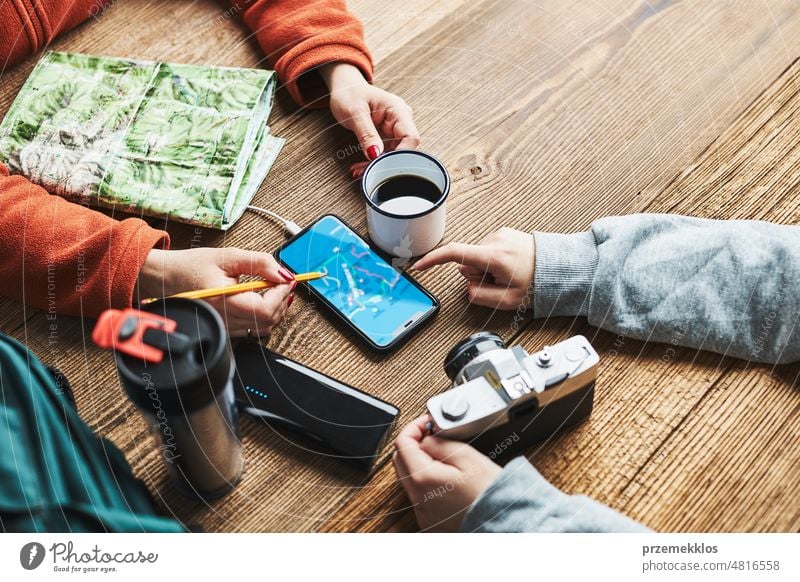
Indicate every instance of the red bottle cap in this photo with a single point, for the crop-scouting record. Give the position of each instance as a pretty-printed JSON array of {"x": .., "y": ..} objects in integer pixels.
[{"x": 123, "y": 330}]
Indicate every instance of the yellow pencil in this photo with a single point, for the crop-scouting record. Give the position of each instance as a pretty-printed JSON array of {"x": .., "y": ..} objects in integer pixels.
[{"x": 233, "y": 289}]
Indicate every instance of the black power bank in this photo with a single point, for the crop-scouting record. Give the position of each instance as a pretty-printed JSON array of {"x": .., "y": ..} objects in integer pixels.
[{"x": 326, "y": 413}]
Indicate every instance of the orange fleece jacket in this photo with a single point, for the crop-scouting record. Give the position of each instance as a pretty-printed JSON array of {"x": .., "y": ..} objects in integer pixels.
[{"x": 66, "y": 258}]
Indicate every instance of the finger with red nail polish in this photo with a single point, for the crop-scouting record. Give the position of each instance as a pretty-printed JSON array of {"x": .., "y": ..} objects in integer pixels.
[
  {"x": 287, "y": 276},
  {"x": 357, "y": 170}
]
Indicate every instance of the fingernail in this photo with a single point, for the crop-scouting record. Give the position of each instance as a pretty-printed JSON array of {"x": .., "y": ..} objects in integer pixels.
[
  {"x": 294, "y": 284},
  {"x": 289, "y": 302},
  {"x": 372, "y": 152},
  {"x": 287, "y": 276}
]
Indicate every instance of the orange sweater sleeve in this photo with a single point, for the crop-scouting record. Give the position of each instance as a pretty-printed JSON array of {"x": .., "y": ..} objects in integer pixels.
[
  {"x": 64, "y": 257},
  {"x": 299, "y": 35},
  {"x": 28, "y": 26},
  {"x": 296, "y": 35}
]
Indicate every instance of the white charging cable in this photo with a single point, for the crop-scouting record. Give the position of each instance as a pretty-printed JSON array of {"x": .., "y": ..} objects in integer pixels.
[{"x": 291, "y": 227}]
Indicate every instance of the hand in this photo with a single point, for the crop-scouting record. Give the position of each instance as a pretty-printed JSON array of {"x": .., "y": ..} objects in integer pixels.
[
  {"x": 499, "y": 271},
  {"x": 441, "y": 477},
  {"x": 169, "y": 272},
  {"x": 380, "y": 120}
]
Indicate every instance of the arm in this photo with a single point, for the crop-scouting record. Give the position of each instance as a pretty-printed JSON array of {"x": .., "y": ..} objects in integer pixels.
[
  {"x": 521, "y": 500},
  {"x": 66, "y": 258},
  {"x": 317, "y": 48},
  {"x": 24, "y": 31},
  {"x": 299, "y": 36},
  {"x": 454, "y": 487},
  {"x": 732, "y": 287}
]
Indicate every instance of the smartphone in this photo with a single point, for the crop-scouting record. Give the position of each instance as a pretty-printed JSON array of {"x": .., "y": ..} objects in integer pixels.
[
  {"x": 380, "y": 303},
  {"x": 327, "y": 414}
]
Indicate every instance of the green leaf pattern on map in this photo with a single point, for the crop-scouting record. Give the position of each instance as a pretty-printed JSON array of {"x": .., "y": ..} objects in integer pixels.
[{"x": 180, "y": 141}]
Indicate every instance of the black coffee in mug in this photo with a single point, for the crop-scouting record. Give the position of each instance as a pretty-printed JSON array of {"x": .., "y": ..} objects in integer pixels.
[
  {"x": 406, "y": 195},
  {"x": 405, "y": 192}
]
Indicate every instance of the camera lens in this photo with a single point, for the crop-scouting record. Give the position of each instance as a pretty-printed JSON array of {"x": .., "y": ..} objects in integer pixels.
[{"x": 466, "y": 350}]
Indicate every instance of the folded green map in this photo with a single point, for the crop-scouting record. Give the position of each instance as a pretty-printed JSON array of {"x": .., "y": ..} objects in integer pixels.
[{"x": 183, "y": 142}]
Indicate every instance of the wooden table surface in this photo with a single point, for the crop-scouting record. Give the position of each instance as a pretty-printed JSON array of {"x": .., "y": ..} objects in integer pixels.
[{"x": 548, "y": 115}]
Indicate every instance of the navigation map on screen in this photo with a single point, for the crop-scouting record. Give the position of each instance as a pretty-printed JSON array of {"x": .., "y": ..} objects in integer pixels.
[{"x": 361, "y": 285}]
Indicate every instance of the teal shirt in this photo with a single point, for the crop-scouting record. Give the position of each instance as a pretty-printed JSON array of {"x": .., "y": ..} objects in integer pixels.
[{"x": 727, "y": 286}]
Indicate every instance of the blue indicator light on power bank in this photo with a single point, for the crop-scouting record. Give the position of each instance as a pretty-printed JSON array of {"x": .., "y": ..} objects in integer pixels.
[{"x": 256, "y": 392}]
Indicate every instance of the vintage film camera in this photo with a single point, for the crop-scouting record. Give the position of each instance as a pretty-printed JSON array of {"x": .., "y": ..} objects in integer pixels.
[{"x": 503, "y": 400}]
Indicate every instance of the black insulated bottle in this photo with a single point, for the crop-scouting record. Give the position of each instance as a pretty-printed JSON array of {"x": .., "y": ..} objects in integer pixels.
[{"x": 188, "y": 398}]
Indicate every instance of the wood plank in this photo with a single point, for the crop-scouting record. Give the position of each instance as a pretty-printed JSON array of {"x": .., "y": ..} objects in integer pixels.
[
  {"x": 701, "y": 443},
  {"x": 751, "y": 171},
  {"x": 553, "y": 123},
  {"x": 733, "y": 464},
  {"x": 12, "y": 314}
]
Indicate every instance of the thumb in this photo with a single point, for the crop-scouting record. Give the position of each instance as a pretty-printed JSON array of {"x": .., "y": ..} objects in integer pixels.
[
  {"x": 368, "y": 136},
  {"x": 240, "y": 262}
]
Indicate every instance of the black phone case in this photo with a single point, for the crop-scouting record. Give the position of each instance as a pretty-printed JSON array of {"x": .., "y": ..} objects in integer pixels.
[{"x": 340, "y": 318}]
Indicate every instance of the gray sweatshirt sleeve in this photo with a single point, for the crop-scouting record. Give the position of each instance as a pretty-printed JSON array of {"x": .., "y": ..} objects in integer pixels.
[
  {"x": 521, "y": 500},
  {"x": 732, "y": 287},
  {"x": 727, "y": 286}
]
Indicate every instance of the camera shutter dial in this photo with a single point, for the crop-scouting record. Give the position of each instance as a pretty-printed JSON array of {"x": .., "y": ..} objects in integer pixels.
[
  {"x": 545, "y": 357},
  {"x": 455, "y": 407}
]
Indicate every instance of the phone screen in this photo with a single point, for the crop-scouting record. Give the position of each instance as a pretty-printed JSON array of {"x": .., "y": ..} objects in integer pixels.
[{"x": 370, "y": 293}]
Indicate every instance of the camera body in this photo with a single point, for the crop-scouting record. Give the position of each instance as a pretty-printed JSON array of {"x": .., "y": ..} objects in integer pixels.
[{"x": 503, "y": 400}]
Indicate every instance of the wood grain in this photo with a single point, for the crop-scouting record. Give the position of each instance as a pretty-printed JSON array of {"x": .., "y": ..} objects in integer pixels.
[
  {"x": 679, "y": 439},
  {"x": 548, "y": 116}
]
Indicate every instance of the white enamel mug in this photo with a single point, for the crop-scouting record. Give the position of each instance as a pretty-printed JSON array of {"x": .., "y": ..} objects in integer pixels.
[{"x": 404, "y": 232}]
